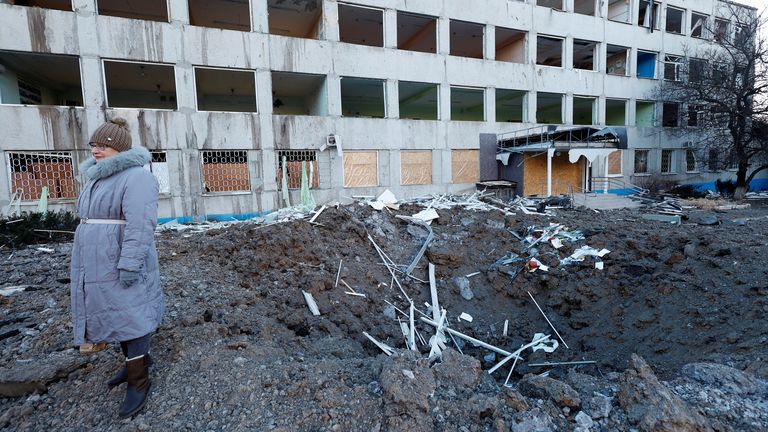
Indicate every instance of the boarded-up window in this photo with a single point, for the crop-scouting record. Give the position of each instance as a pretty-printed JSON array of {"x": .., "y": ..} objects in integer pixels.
[
  {"x": 416, "y": 167},
  {"x": 614, "y": 163},
  {"x": 31, "y": 172},
  {"x": 465, "y": 166},
  {"x": 293, "y": 161},
  {"x": 360, "y": 168},
  {"x": 225, "y": 171}
]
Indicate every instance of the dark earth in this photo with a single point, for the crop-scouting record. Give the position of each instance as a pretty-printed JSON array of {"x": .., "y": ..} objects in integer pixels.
[{"x": 675, "y": 323}]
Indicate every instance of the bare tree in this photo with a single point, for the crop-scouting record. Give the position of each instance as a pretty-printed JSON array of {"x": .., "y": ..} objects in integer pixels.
[{"x": 719, "y": 92}]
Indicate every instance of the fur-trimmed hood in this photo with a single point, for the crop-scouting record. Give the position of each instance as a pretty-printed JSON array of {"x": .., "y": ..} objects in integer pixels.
[{"x": 137, "y": 156}]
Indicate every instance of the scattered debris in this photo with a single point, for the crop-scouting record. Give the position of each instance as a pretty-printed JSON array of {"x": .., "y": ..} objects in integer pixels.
[
  {"x": 466, "y": 317},
  {"x": 311, "y": 303},
  {"x": 548, "y": 321},
  {"x": 388, "y": 350}
]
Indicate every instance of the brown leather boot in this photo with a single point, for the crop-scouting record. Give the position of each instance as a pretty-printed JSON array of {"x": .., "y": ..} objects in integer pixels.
[{"x": 138, "y": 386}]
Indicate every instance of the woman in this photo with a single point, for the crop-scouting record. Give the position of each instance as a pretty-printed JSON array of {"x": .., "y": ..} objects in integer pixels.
[{"x": 115, "y": 290}]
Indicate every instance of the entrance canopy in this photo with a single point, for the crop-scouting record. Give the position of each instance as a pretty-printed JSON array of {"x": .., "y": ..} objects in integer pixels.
[{"x": 580, "y": 141}]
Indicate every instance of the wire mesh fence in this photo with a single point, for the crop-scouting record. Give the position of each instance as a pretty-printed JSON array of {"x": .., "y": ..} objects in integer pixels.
[
  {"x": 292, "y": 159},
  {"x": 33, "y": 172},
  {"x": 225, "y": 171}
]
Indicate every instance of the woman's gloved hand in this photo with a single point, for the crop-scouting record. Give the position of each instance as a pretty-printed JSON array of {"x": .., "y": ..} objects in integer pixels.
[{"x": 128, "y": 278}]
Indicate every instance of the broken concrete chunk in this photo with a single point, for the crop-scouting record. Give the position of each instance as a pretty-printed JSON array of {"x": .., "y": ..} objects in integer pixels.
[
  {"x": 598, "y": 406},
  {"x": 549, "y": 388},
  {"x": 24, "y": 378},
  {"x": 462, "y": 283},
  {"x": 726, "y": 378},
  {"x": 583, "y": 421},
  {"x": 534, "y": 420}
]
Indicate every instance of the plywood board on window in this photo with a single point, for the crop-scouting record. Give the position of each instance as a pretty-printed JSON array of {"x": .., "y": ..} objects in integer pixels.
[
  {"x": 614, "y": 163},
  {"x": 565, "y": 175},
  {"x": 360, "y": 169},
  {"x": 226, "y": 177},
  {"x": 465, "y": 166},
  {"x": 416, "y": 167}
]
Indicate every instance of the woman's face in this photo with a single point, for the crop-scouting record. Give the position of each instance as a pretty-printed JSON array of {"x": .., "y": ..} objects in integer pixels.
[{"x": 101, "y": 152}]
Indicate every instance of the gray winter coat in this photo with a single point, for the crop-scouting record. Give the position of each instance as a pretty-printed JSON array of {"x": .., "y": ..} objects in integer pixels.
[{"x": 103, "y": 309}]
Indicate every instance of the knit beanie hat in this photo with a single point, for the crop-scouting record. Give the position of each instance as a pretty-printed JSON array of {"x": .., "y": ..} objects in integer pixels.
[{"x": 113, "y": 134}]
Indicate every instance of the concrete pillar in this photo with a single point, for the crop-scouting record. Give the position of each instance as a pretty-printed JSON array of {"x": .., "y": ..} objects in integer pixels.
[
  {"x": 334, "y": 95},
  {"x": 531, "y": 107},
  {"x": 490, "y": 105},
  {"x": 631, "y": 61},
  {"x": 178, "y": 11},
  {"x": 631, "y": 112},
  {"x": 550, "y": 153},
  {"x": 390, "y": 28},
  {"x": 445, "y": 101},
  {"x": 600, "y": 111},
  {"x": 259, "y": 16},
  {"x": 264, "y": 91},
  {"x": 185, "y": 88},
  {"x": 443, "y": 35},
  {"x": 330, "y": 20},
  {"x": 532, "y": 44},
  {"x": 567, "y": 107},
  {"x": 568, "y": 52},
  {"x": 568, "y": 5},
  {"x": 489, "y": 39},
  {"x": 84, "y": 6},
  {"x": 392, "y": 99}
]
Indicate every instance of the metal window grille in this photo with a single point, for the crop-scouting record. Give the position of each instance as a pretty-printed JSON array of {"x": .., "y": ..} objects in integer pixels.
[
  {"x": 672, "y": 67},
  {"x": 225, "y": 171},
  {"x": 666, "y": 161},
  {"x": 159, "y": 168},
  {"x": 690, "y": 161},
  {"x": 293, "y": 162},
  {"x": 31, "y": 172},
  {"x": 641, "y": 161}
]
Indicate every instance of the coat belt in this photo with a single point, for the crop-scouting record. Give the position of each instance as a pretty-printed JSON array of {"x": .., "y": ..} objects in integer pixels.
[{"x": 103, "y": 221}]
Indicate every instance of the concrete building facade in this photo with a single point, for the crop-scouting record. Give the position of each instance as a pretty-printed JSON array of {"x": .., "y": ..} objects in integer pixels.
[{"x": 233, "y": 95}]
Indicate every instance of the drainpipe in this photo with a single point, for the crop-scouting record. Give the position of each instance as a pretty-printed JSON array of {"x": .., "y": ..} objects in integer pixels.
[{"x": 550, "y": 153}]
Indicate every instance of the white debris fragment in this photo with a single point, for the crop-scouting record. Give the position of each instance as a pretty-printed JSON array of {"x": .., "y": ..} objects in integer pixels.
[
  {"x": 599, "y": 265},
  {"x": 535, "y": 264},
  {"x": 311, "y": 303},
  {"x": 427, "y": 215},
  {"x": 548, "y": 345},
  {"x": 408, "y": 373},
  {"x": 556, "y": 242},
  {"x": 506, "y": 327},
  {"x": 45, "y": 249},
  {"x": 583, "y": 252},
  {"x": 466, "y": 317},
  {"x": 388, "y": 350},
  {"x": 386, "y": 199}
]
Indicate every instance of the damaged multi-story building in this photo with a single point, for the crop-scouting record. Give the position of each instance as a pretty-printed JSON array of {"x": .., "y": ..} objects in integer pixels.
[{"x": 231, "y": 96}]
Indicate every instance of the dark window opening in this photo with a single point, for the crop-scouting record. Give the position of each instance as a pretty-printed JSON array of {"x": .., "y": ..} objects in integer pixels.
[
  {"x": 225, "y": 90},
  {"x": 674, "y": 23},
  {"x": 649, "y": 14},
  {"x": 418, "y": 101},
  {"x": 721, "y": 30},
  {"x": 619, "y": 10},
  {"x": 295, "y": 18},
  {"x": 641, "y": 161},
  {"x": 299, "y": 94},
  {"x": 615, "y": 112},
  {"x": 416, "y": 32},
  {"x": 584, "y": 111},
  {"x": 549, "y": 51},
  {"x": 672, "y": 67},
  {"x": 553, "y": 4},
  {"x": 222, "y": 14},
  {"x": 140, "y": 85},
  {"x": 510, "y": 45},
  {"x": 363, "y": 97},
  {"x": 670, "y": 115},
  {"x": 64, "y": 5},
  {"x": 549, "y": 108},
  {"x": 698, "y": 25},
  {"x": 616, "y": 60},
  {"x": 40, "y": 79},
  {"x": 467, "y": 39},
  {"x": 584, "y": 7},
  {"x": 584, "y": 54},
  {"x": 361, "y": 25},
  {"x": 150, "y": 10},
  {"x": 467, "y": 104},
  {"x": 510, "y": 105}
]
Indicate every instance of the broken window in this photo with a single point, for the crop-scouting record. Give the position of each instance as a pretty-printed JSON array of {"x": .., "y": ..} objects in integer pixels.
[
  {"x": 467, "y": 39},
  {"x": 292, "y": 162},
  {"x": 646, "y": 64},
  {"x": 616, "y": 60},
  {"x": 39, "y": 79},
  {"x": 553, "y": 4},
  {"x": 363, "y": 97},
  {"x": 34, "y": 172},
  {"x": 713, "y": 160},
  {"x": 549, "y": 51},
  {"x": 150, "y": 10},
  {"x": 614, "y": 163},
  {"x": 295, "y": 18},
  {"x": 698, "y": 25},
  {"x": 510, "y": 45},
  {"x": 225, "y": 171},
  {"x": 416, "y": 32},
  {"x": 467, "y": 104},
  {"x": 584, "y": 54},
  {"x": 584, "y": 110},
  {"x": 721, "y": 30},
  {"x": 667, "y": 161},
  {"x": 299, "y": 94},
  {"x": 549, "y": 108},
  {"x": 222, "y": 14},
  {"x": 360, "y": 168},
  {"x": 641, "y": 161},
  {"x": 510, "y": 105},
  {"x": 465, "y": 166},
  {"x": 361, "y": 25},
  {"x": 584, "y": 7},
  {"x": 697, "y": 69},
  {"x": 619, "y": 10},
  {"x": 720, "y": 72},
  {"x": 690, "y": 161},
  {"x": 139, "y": 85},
  {"x": 418, "y": 100},
  {"x": 416, "y": 167},
  {"x": 159, "y": 168},
  {"x": 649, "y": 14},
  {"x": 645, "y": 114},
  {"x": 65, "y": 5},
  {"x": 670, "y": 116},
  {"x": 741, "y": 35},
  {"x": 694, "y": 115},
  {"x": 225, "y": 90},
  {"x": 675, "y": 18},
  {"x": 672, "y": 67},
  {"x": 615, "y": 112}
]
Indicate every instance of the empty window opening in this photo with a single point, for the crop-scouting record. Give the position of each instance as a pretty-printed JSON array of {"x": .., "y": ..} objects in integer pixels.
[
  {"x": 741, "y": 34},
  {"x": 549, "y": 51},
  {"x": 690, "y": 161},
  {"x": 225, "y": 90},
  {"x": 549, "y": 108},
  {"x": 295, "y": 18},
  {"x": 670, "y": 114},
  {"x": 619, "y": 10},
  {"x": 225, "y": 171},
  {"x": 584, "y": 110},
  {"x": 39, "y": 79},
  {"x": 649, "y": 14},
  {"x": 584, "y": 7},
  {"x": 139, "y": 85},
  {"x": 667, "y": 161},
  {"x": 418, "y": 101},
  {"x": 467, "y": 39},
  {"x": 294, "y": 162},
  {"x": 150, "y": 10},
  {"x": 674, "y": 23},
  {"x": 299, "y": 94},
  {"x": 416, "y": 167},
  {"x": 467, "y": 104},
  {"x": 510, "y": 105},
  {"x": 721, "y": 30},
  {"x": 465, "y": 166},
  {"x": 614, "y": 163},
  {"x": 615, "y": 112},
  {"x": 510, "y": 45},
  {"x": 159, "y": 168},
  {"x": 641, "y": 161},
  {"x": 646, "y": 64},
  {"x": 616, "y": 60},
  {"x": 713, "y": 160},
  {"x": 694, "y": 115},
  {"x": 222, "y": 14},
  {"x": 363, "y": 97},
  {"x": 361, "y": 25},
  {"x": 672, "y": 67},
  {"x": 360, "y": 168},
  {"x": 554, "y": 4},
  {"x": 65, "y": 5},
  {"x": 698, "y": 25},
  {"x": 584, "y": 54},
  {"x": 416, "y": 32},
  {"x": 34, "y": 172},
  {"x": 645, "y": 114},
  {"x": 697, "y": 69}
]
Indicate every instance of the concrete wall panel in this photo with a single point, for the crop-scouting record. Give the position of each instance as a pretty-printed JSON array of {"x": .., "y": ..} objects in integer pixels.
[
  {"x": 122, "y": 38},
  {"x": 38, "y": 30}
]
